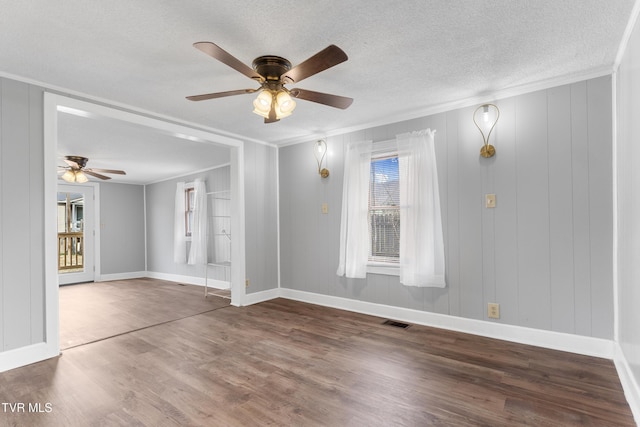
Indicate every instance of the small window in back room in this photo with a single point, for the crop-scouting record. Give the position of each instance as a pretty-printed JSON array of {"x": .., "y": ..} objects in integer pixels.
[{"x": 189, "y": 194}]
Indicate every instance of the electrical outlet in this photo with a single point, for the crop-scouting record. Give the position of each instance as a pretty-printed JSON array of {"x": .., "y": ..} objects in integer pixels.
[
  {"x": 493, "y": 310},
  {"x": 246, "y": 283}
]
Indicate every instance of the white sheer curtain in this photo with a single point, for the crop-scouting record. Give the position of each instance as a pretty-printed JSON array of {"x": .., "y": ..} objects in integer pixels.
[
  {"x": 421, "y": 238},
  {"x": 179, "y": 237},
  {"x": 198, "y": 251},
  {"x": 354, "y": 230}
]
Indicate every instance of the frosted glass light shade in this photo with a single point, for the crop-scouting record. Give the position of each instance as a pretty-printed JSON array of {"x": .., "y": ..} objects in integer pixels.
[
  {"x": 69, "y": 176},
  {"x": 262, "y": 104},
  {"x": 81, "y": 178},
  {"x": 284, "y": 105}
]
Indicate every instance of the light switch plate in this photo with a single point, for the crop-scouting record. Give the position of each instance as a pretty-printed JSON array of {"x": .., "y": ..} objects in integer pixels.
[
  {"x": 325, "y": 208},
  {"x": 490, "y": 200}
]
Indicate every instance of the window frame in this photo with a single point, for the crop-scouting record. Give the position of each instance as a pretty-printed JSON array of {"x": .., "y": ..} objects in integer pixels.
[
  {"x": 189, "y": 195},
  {"x": 380, "y": 265}
]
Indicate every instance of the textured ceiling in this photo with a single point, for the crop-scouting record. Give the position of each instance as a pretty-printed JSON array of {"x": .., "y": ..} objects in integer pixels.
[{"x": 404, "y": 56}]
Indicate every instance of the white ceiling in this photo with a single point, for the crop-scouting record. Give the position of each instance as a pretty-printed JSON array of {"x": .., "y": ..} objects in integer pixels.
[{"x": 405, "y": 57}]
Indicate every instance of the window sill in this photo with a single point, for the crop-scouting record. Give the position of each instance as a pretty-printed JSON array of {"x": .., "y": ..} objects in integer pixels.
[{"x": 386, "y": 269}]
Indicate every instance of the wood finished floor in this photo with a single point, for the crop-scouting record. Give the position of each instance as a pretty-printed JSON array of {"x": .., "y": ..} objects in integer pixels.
[
  {"x": 95, "y": 311},
  {"x": 288, "y": 363}
]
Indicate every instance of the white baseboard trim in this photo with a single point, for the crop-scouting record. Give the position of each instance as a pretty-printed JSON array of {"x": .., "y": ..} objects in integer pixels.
[
  {"x": 629, "y": 384},
  {"x": 121, "y": 276},
  {"x": 256, "y": 297},
  {"x": 589, "y": 346},
  {"x": 23, "y": 356},
  {"x": 188, "y": 280}
]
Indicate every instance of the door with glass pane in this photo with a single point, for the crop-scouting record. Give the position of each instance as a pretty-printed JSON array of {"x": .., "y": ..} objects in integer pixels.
[{"x": 75, "y": 234}]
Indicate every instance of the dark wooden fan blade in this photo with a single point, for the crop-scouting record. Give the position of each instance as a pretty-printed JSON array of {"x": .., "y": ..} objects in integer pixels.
[
  {"x": 322, "y": 60},
  {"x": 225, "y": 57},
  {"x": 97, "y": 175},
  {"x": 322, "y": 98},
  {"x": 115, "y": 171},
  {"x": 220, "y": 94}
]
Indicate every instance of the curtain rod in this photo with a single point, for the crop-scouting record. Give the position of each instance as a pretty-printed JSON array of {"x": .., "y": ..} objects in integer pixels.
[{"x": 383, "y": 147}]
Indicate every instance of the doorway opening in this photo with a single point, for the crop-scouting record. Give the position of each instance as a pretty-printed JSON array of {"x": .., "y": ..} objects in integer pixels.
[
  {"x": 56, "y": 103},
  {"x": 75, "y": 234}
]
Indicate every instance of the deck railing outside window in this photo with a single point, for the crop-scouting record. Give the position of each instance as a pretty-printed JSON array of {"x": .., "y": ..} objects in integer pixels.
[{"x": 70, "y": 251}]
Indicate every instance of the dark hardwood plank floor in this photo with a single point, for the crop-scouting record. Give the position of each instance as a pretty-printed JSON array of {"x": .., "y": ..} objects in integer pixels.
[
  {"x": 94, "y": 311},
  {"x": 288, "y": 363}
]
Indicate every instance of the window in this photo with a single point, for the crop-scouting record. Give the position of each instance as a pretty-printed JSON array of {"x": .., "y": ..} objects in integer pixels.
[
  {"x": 189, "y": 198},
  {"x": 376, "y": 235},
  {"x": 384, "y": 210}
]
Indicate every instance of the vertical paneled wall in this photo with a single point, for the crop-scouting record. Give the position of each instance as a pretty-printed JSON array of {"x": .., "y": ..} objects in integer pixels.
[
  {"x": 122, "y": 231},
  {"x": 21, "y": 215},
  {"x": 628, "y": 185},
  {"x": 261, "y": 224},
  {"x": 544, "y": 253}
]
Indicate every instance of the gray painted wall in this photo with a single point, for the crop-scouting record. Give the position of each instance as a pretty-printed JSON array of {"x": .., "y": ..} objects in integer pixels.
[
  {"x": 21, "y": 215},
  {"x": 261, "y": 222},
  {"x": 544, "y": 253},
  {"x": 628, "y": 159},
  {"x": 121, "y": 228}
]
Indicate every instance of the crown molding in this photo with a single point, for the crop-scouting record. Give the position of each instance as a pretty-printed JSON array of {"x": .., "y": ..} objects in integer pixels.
[
  {"x": 417, "y": 113},
  {"x": 463, "y": 103},
  {"x": 58, "y": 90},
  {"x": 627, "y": 34}
]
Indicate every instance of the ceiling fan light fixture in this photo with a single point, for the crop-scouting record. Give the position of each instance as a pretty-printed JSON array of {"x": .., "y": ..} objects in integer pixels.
[
  {"x": 75, "y": 176},
  {"x": 75, "y": 170},
  {"x": 273, "y": 72},
  {"x": 262, "y": 103}
]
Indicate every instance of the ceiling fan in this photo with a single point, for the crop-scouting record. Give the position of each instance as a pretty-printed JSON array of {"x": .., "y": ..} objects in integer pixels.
[
  {"x": 76, "y": 171},
  {"x": 272, "y": 72}
]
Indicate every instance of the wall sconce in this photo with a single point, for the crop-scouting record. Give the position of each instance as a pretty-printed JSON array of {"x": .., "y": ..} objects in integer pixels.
[
  {"x": 490, "y": 116},
  {"x": 320, "y": 151}
]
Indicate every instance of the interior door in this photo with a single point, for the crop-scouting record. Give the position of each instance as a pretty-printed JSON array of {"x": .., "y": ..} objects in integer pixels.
[{"x": 76, "y": 233}]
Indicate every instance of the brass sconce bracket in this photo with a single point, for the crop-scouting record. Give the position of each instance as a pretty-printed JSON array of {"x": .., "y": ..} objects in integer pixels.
[{"x": 487, "y": 151}]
